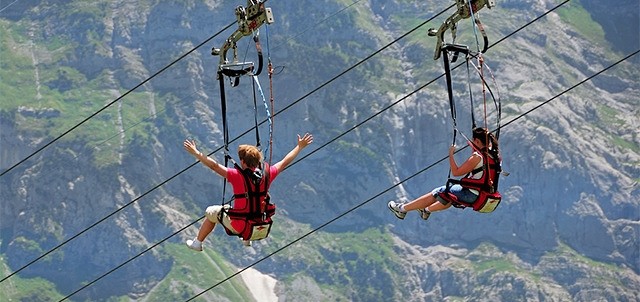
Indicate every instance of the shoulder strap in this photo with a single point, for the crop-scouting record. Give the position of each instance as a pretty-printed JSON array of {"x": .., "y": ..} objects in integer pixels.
[{"x": 267, "y": 176}]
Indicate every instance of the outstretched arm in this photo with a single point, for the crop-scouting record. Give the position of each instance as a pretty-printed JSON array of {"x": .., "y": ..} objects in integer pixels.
[
  {"x": 302, "y": 143},
  {"x": 190, "y": 146}
]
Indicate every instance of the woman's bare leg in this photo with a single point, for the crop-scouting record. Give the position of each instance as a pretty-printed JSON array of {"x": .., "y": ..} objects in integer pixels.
[
  {"x": 426, "y": 201},
  {"x": 420, "y": 203},
  {"x": 437, "y": 206}
]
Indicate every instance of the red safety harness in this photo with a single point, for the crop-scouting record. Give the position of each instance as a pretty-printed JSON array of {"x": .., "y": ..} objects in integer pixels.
[
  {"x": 488, "y": 197},
  {"x": 257, "y": 213}
]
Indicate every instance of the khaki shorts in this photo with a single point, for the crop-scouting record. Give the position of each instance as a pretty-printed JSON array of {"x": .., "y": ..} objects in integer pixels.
[{"x": 216, "y": 215}]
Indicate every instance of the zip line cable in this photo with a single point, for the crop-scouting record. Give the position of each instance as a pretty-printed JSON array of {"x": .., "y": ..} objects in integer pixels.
[
  {"x": 209, "y": 154},
  {"x": 8, "y": 5},
  {"x": 410, "y": 177},
  {"x": 114, "y": 101},
  {"x": 356, "y": 126},
  {"x": 261, "y": 123}
]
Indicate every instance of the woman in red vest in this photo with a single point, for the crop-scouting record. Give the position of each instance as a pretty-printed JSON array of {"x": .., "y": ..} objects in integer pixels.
[
  {"x": 250, "y": 158},
  {"x": 472, "y": 168}
]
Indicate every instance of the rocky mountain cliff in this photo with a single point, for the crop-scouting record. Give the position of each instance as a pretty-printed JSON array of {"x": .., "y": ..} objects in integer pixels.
[{"x": 567, "y": 229}]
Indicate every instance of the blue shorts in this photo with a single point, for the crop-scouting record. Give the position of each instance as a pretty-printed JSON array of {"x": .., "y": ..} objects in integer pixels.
[{"x": 463, "y": 194}]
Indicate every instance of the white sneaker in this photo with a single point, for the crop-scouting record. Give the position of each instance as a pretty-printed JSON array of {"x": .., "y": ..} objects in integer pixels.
[
  {"x": 194, "y": 245},
  {"x": 396, "y": 208},
  {"x": 424, "y": 213}
]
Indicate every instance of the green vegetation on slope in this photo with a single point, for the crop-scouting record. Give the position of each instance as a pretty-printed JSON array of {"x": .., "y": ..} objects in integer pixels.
[
  {"x": 50, "y": 97},
  {"x": 193, "y": 272},
  {"x": 579, "y": 18},
  {"x": 19, "y": 289}
]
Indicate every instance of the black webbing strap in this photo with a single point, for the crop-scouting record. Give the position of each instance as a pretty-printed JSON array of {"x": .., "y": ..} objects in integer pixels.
[
  {"x": 455, "y": 49},
  {"x": 255, "y": 102},
  {"x": 223, "y": 109},
  {"x": 485, "y": 40},
  {"x": 255, "y": 114},
  {"x": 452, "y": 104},
  {"x": 225, "y": 130},
  {"x": 260, "y": 58}
]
